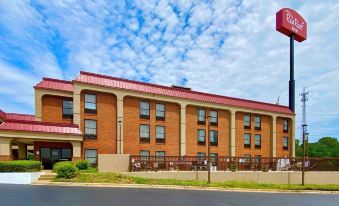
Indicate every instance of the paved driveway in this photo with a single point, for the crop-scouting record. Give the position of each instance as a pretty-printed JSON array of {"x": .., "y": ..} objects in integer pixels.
[{"x": 13, "y": 195}]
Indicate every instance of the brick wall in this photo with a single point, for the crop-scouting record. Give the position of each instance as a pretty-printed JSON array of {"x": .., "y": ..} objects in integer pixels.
[
  {"x": 265, "y": 132},
  {"x": 132, "y": 121},
  {"x": 106, "y": 123},
  {"x": 280, "y": 133},
  {"x": 223, "y": 128},
  {"x": 52, "y": 110}
]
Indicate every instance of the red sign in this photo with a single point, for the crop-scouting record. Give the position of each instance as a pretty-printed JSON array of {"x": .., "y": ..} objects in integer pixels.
[{"x": 290, "y": 22}]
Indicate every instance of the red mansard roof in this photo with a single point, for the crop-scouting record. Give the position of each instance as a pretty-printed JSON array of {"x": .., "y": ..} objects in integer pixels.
[
  {"x": 109, "y": 81},
  {"x": 55, "y": 84},
  {"x": 27, "y": 123}
]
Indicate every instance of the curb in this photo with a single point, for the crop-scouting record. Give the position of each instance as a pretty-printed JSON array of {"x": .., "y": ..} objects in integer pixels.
[{"x": 175, "y": 187}]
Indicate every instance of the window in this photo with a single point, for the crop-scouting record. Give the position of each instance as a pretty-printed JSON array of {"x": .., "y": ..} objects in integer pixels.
[
  {"x": 91, "y": 156},
  {"x": 66, "y": 153},
  {"x": 247, "y": 157},
  {"x": 144, "y": 133},
  {"x": 247, "y": 122},
  {"x": 144, "y": 155},
  {"x": 257, "y": 159},
  {"x": 201, "y": 136},
  {"x": 201, "y": 154},
  {"x": 160, "y": 134},
  {"x": 214, "y": 138},
  {"x": 160, "y": 156},
  {"x": 201, "y": 116},
  {"x": 285, "y": 143},
  {"x": 257, "y": 121},
  {"x": 67, "y": 108},
  {"x": 214, "y": 159},
  {"x": 144, "y": 110},
  {"x": 257, "y": 141},
  {"x": 91, "y": 103},
  {"x": 159, "y": 111},
  {"x": 285, "y": 126},
  {"x": 91, "y": 128},
  {"x": 247, "y": 140},
  {"x": 214, "y": 118}
]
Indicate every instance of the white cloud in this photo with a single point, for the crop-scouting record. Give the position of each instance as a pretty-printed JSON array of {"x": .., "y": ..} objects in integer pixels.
[{"x": 224, "y": 47}]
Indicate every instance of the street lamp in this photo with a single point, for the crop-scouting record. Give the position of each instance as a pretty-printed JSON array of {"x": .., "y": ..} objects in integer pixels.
[{"x": 208, "y": 150}]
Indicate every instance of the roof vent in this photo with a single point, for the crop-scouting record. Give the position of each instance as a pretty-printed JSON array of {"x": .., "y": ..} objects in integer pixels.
[{"x": 181, "y": 87}]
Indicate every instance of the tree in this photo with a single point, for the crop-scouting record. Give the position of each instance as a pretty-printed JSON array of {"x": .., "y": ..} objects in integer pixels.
[{"x": 325, "y": 147}]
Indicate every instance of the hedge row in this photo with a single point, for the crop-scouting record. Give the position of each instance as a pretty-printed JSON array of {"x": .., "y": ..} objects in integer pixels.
[{"x": 20, "y": 166}]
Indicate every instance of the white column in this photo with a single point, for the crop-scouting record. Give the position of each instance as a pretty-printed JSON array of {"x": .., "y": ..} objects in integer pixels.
[
  {"x": 183, "y": 129},
  {"x": 274, "y": 136},
  {"x": 120, "y": 123},
  {"x": 38, "y": 105},
  {"x": 5, "y": 149},
  {"x": 292, "y": 137},
  {"x": 76, "y": 150},
  {"x": 76, "y": 105},
  {"x": 232, "y": 133}
]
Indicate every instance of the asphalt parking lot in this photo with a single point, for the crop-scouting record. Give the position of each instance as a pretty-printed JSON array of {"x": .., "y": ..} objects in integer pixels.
[{"x": 15, "y": 195}]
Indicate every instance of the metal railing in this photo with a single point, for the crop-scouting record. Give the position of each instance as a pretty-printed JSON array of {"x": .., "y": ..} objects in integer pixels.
[{"x": 196, "y": 163}]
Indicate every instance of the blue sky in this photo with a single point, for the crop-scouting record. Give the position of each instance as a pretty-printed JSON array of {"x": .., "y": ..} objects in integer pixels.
[{"x": 223, "y": 47}]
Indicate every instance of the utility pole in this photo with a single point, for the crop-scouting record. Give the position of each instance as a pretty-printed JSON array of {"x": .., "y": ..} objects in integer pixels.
[{"x": 304, "y": 130}]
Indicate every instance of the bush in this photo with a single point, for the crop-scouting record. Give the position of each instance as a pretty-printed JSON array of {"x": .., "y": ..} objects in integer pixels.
[
  {"x": 82, "y": 164},
  {"x": 65, "y": 170},
  {"x": 20, "y": 166}
]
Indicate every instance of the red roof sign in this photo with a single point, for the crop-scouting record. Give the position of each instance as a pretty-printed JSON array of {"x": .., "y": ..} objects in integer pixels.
[{"x": 290, "y": 22}]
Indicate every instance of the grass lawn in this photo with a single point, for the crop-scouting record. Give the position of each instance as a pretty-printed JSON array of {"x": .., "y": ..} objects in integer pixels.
[{"x": 96, "y": 177}]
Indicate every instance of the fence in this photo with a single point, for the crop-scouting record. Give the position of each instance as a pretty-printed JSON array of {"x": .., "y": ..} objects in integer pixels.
[{"x": 196, "y": 163}]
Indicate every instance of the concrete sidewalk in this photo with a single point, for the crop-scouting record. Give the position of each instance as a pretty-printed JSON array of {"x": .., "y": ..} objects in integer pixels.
[{"x": 177, "y": 187}]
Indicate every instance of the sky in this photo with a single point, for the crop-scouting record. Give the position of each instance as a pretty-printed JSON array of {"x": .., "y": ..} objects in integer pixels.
[{"x": 224, "y": 47}]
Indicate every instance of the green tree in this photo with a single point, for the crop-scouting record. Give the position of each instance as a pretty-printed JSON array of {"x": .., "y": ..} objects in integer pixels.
[{"x": 324, "y": 147}]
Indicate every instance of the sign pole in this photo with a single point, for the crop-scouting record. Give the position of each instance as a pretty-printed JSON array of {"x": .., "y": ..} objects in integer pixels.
[{"x": 292, "y": 81}]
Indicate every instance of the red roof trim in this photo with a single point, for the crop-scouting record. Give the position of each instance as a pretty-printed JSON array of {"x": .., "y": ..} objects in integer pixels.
[
  {"x": 55, "y": 85},
  {"x": 187, "y": 91}
]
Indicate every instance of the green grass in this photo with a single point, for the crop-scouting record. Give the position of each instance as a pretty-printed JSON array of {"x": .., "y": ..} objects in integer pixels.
[
  {"x": 114, "y": 178},
  {"x": 89, "y": 170}
]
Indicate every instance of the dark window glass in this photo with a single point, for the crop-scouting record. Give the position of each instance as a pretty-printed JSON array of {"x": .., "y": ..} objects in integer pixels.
[
  {"x": 160, "y": 134},
  {"x": 144, "y": 110},
  {"x": 257, "y": 141},
  {"x": 285, "y": 143},
  {"x": 90, "y": 103},
  {"x": 144, "y": 155},
  {"x": 247, "y": 140},
  {"x": 160, "y": 156},
  {"x": 247, "y": 157},
  {"x": 66, "y": 153},
  {"x": 201, "y": 135},
  {"x": 67, "y": 108},
  {"x": 160, "y": 111},
  {"x": 214, "y": 117},
  {"x": 247, "y": 121},
  {"x": 201, "y": 114},
  {"x": 214, "y": 138},
  {"x": 144, "y": 133},
  {"x": 257, "y": 121},
  {"x": 285, "y": 125},
  {"x": 201, "y": 154},
  {"x": 91, "y": 156},
  {"x": 91, "y": 128}
]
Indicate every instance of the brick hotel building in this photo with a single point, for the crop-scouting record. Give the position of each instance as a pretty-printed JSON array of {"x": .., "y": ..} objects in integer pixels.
[{"x": 96, "y": 116}]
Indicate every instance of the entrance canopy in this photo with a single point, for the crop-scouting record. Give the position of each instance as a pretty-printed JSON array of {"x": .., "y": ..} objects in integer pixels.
[{"x": 23, "y": 129}]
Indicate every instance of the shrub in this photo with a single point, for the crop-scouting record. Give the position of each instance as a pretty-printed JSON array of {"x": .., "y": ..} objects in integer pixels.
[
  {"x": 20, "y": 166},
  {"x": 65, "y": 170},
  {"x": 82, "y": 164}
]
